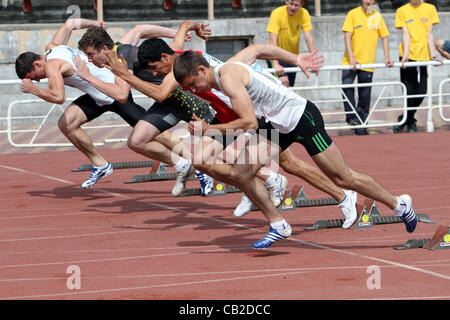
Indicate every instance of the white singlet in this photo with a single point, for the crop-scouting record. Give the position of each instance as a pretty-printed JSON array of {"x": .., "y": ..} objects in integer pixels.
[
  {"x": 66, "y": 54},
  {"x": 280, "y": 106}
]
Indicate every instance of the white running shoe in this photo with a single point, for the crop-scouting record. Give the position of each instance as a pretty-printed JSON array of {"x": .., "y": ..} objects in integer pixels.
[
  {"x": 277, "y": 192},
  {"x": 96, "y": 174},
  {"x": 243, "y": 207},
  {"x": 348, "y": 208},
  {"x": 408, "y": 216},
  {"x": 182, "y": 177}
]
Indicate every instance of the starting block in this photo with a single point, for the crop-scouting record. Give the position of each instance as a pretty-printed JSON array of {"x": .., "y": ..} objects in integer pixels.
[
  {"x": 297, "y": 198},
  {"x": 440, "y": 240},
  {"x": 220, "y": 189},
  {"x": 117, "y": 165},
  {"x": 368, "y": 216},
  {"x": 157, "y": 173}
]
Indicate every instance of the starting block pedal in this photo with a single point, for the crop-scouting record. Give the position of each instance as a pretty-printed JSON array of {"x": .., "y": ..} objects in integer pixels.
[
  {"x": 440, "y": 240},
  {"x": 297, "y": 198},
  {"x": 366, "y": 213},
  {"x": 220, "y": 189},
  {"x": 117, "y": 165},
  {"x": 158, "y": 172},
  {"x": 368, "y": 216}
]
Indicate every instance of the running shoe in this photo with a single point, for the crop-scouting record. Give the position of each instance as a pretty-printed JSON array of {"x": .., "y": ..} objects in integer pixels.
[
  {"x": 96, "y": 174},
  {"x": 409, "y": 216},
  {"x": 272, "y": 236},
  {"x": 276, "y": 193},
  {"x": 348, "y": 208},
  {"x": 243, "y": 207},
  {"x": 182, "y": 177},
  {"x": 206, "y": 183}
]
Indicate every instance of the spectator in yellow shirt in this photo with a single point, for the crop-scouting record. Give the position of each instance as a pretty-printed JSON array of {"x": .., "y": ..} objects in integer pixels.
[
  {"x": 285, "y": 26},
  {"x": 416, "y": 20},
  {"x": 362, "y": 28}
]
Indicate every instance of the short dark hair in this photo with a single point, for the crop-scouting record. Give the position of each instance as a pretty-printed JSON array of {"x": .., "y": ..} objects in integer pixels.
[
  {"x": 95, "y": 37},
  {"x": 151, "y": 49},
  {"x": 186, "y": 65},
  {"x": 24, "y": 63}
]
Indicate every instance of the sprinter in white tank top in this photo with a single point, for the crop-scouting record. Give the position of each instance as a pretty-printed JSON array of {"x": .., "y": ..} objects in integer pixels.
[
  {"x": 250, "y": 94},
  {"x": 65, "y": 66}
]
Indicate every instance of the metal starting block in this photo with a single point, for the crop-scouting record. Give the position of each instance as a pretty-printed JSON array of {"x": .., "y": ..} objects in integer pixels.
[
  {"x": 440, "y": 240},
  {"x": 368, "y": 216},
  {"x": 220, "y": 189},
  {"x": 118, "y": 165},
  {"x": 157, "y": 173},
  {"x": 297, "y": 198}
]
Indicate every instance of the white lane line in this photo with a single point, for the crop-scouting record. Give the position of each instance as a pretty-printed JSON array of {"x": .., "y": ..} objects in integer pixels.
[{"x": 176, "y": 284}]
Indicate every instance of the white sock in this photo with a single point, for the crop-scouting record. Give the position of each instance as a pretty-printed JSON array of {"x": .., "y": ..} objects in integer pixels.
[
  {"x": 182, "y": 162},
  {"x": 279, "y": 225},
  {"x": 400, "y": 208},
  {"x": 101, "y": 167},
  {"x": 272, "y": 179}
]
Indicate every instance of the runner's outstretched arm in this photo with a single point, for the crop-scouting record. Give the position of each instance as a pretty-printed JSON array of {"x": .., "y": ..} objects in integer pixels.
[{"x": 62, "y": 36}]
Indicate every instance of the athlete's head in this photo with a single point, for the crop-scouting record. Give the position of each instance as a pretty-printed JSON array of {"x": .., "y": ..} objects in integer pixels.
[
  {"x": 292, "y": 6},
  {"x": 191, "y": 71},
  {"x": 30, "y": 65},
  {"x": 96, "y": 43},
  {"x": 155, "y": 55}
]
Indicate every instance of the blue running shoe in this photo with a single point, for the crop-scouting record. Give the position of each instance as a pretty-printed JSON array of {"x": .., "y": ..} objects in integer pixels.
[
  {"x": 206, "y": 183},
  {"x": 272, "y": 236},
  {"x": 96, "y": 174},
  {"x": 408, "y": 217}
]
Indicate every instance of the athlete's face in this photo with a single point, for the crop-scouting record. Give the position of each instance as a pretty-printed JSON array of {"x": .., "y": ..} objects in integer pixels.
[
  {"x": 293, "y": 6},
  {"x": 97, "y": 57},
  {"x": 416, "y": 3},
  {"x": 160, "y": 68},
  {"x": 38, "y": 73},
  {"x": 197, "y": 83}
]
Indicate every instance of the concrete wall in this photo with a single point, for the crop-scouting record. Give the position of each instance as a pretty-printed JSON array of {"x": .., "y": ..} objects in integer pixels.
[{"x": 15, "y": 39}]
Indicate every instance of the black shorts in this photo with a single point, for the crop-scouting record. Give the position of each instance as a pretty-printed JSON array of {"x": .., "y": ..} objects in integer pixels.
[
  {"x": 310, "y": 132},
  {"x": 180, "y": 105},
  {"x": 129, "y": 111}
]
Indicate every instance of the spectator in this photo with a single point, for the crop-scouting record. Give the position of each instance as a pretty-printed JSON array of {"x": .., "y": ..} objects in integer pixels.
[
  {"x": 416, "y": 20},
  {"x": 443, "y": 46},
  {"x": 285, "y": 26},
  {"x": 362, "y": 27}
]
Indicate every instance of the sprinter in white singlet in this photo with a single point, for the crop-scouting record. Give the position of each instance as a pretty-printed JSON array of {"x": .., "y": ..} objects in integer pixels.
[
  {"x": 250, "y": 93},
  {"x": 104, "y": 92}
]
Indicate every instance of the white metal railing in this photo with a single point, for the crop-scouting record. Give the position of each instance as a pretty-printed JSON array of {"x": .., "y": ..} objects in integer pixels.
[
  {"x": 441, "y": 99},
  {"x": 429, "y": 95},
  {"x": 370, "y": 122},
  {"x": 42, "y": 120}
]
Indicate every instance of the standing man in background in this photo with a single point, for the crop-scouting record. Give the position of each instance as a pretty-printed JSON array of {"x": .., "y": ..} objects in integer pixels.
[
  {"x": 416, "y": 20},
  {"x": 285, "y": 26},
  {"x": 362, "y": 28}
]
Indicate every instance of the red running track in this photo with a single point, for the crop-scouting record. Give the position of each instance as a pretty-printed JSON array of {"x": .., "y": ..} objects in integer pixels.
[{"x": 135, "y": 241}]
